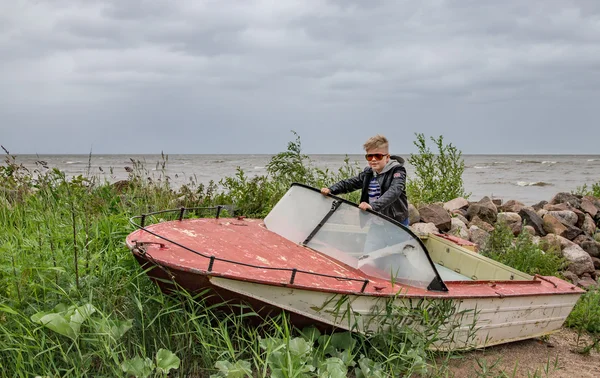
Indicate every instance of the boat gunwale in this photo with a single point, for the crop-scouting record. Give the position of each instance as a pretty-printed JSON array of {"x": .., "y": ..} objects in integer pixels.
[{"x": 404, "y": 291}]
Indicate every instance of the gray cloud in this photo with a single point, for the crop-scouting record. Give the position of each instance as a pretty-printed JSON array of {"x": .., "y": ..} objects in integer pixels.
[{"x": 145, "y": 76}]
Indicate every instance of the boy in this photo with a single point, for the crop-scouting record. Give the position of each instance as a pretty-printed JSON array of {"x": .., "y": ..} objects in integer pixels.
[{"x": 382, "y": 182}]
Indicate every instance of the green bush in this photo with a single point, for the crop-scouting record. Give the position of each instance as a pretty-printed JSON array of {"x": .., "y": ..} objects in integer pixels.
[
  {"x": 521, "y": 252},
  {"x": 438, "y": 177},
  {"x": 584, "y": 190}
]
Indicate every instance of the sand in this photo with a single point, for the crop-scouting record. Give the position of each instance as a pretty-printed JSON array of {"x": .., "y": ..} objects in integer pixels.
[{"x": 555, "y": 356}]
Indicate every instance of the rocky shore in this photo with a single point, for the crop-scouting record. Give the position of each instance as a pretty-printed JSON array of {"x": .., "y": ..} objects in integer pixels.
[{"x": 568, "y": 223}]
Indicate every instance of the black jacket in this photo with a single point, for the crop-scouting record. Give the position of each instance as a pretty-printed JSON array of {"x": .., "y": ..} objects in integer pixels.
[{"x": 393, "y": 202}]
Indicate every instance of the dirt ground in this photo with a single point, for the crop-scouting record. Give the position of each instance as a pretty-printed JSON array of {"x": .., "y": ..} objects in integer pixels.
[{"x": 555, "y": 356}]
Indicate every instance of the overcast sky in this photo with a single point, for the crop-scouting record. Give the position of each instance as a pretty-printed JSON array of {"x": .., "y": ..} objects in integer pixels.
[{"x": 224, "y": 76}]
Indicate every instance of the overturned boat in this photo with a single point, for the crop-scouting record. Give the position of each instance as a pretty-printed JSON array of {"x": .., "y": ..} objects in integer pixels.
[{"x": 328, "y": 263}]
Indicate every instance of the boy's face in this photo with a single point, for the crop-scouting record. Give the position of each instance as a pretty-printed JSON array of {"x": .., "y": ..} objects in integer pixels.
[{"x": 378, "y": 158}]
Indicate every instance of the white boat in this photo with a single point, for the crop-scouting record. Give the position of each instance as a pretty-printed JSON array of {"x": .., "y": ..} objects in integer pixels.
[{"x": 326, "y": 262}]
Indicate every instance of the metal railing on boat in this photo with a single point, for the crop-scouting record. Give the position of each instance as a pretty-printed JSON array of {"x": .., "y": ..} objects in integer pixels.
[{"x": 212, "y": 258}]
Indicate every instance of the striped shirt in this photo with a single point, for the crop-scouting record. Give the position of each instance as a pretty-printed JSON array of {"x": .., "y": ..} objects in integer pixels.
[{"x": 374, "y": 190}]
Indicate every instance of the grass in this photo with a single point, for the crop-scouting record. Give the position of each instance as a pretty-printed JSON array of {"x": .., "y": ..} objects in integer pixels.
[{"x": 74, "y": 302}]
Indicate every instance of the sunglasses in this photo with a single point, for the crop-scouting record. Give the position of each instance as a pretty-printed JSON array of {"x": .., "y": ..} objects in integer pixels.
[{"x": 370, "y": 157}]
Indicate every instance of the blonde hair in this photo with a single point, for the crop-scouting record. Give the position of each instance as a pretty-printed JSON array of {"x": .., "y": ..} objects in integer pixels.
[{"x": 377, "y": 141}]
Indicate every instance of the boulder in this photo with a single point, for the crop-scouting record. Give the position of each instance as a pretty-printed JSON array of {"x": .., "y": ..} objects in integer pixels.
[
  {"x": 565, "y": 197},
  {"x": 553, "y": 225},
  {"x": 588, "y": 206},
  {"x": 554, "y": 240},
  {"x": 455, "y": 204},
  {"x": 413, "y": 214},
  {"x": 596, "y": 262},
  {"x": 594, "y": 201},
  {"x": 571, "y": 276},
  {"x": 541, "y": 213},
  {"x": 476, "y": 221},
  {"x": 512, "y": 220},
  {"x": 484, "y": 209},
  {"x": 478, "y": 236},
  {"x": 458, "y": 215},
  {"x": 530, "y": 218},
  {"x": 592, "y": 247},
  {"x": 566, "y": 216},
  {"x": 512, "y": 206},
  {"x": 539, "y": 205},
  {"x": 529, "y": 230},
  {"x": 579, "y": 262},
  {"x": 588, "y": 226},
  {"x": 437, "y": 215},
  {"x": 459, "y": 228},
  {"x": 587, "y": 282},
  {"x": 424, "y": 228}
]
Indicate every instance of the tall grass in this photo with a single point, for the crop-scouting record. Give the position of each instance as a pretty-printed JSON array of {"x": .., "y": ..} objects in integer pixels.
[{"x": 74, "y": 302}]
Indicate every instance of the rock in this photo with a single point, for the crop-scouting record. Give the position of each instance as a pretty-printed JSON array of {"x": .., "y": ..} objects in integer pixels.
[
  {"x": 594, "y": 201},
  {"x": 579, "y": 262},
  {"x": 565, "y": 197},
  {"x": 539, "y": 205},
  {"x": 512, "y": 206},
  {"x": 476, "y": 221},
  {"x": 437, "y": 215},
  {"x": 497, "y": 201},
  {"x": 541, "y": 213},
  {"x": 557, "y": 207},
  {"x": 588, "y": 227},
  {"x": 424, "y": 228},
  {"x": 413, "y": 214},
  {"x": 596, "y": 262},
  {"x": 484, "y": 209},
  {"x": 571, "y": 276},
  {"x": 532, "y": 219},
  {"x": 554, "y": 240},
  {"x": 588, "y": 206},
  {"x": 478, "y": 236},
  {"x": 587, "y": 282},
  {"x": 552, "y": 225},
  {"x": 566, "y": 216},
  {"x": 592, "y": 247},
  {"x": 512, "y": 220},
  {"x": 555, "y": 225},
  {"x": 455, "y": 204},
  {"x": 461, "y": 217},
  {"x": 459, "y": 228},
  {"x": 529, "y": 229}
]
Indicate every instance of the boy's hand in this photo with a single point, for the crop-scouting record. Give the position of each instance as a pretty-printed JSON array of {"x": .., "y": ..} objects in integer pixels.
[
  {"x": 325, "y": 191},
  {"x": 365, "y": 206}
]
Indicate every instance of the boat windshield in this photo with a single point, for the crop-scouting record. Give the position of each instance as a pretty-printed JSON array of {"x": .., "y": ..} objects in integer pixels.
[{"x": 365, "y": 240}]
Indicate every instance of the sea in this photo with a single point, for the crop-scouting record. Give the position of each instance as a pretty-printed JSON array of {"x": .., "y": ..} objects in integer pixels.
[{"x": 526, "y": 178}]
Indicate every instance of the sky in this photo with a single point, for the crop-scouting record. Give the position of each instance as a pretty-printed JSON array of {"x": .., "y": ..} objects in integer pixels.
[{"x": 225, "y": 76}]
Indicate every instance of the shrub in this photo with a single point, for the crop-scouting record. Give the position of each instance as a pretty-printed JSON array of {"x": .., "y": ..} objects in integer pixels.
[
  {"x": 438, "y": 177},
  {"x": 584, "y": 190},
  {"x": 521, "y": 253}
]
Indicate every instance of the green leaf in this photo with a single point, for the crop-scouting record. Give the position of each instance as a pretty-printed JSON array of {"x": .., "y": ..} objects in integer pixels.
[
  {"x": 238, "y": 370},
  {"x": 166, "y": 360},
  {"x": 57, "y": 323},
  {"x": 299, "y": 347},
  {"x": 138, "y": 367}
]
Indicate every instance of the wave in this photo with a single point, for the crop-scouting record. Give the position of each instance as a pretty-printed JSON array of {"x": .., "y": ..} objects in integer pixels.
[
  {"x": 480, "y": 166},
  {"x": 529, "y": 161},
  {"x": 592, "y": 159},
  {"x": 73, "y": 162},
  {"x": 535, "y": 183},
  {"x": 259, "y": 167},
  {"x": 548, "y": 162}
]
